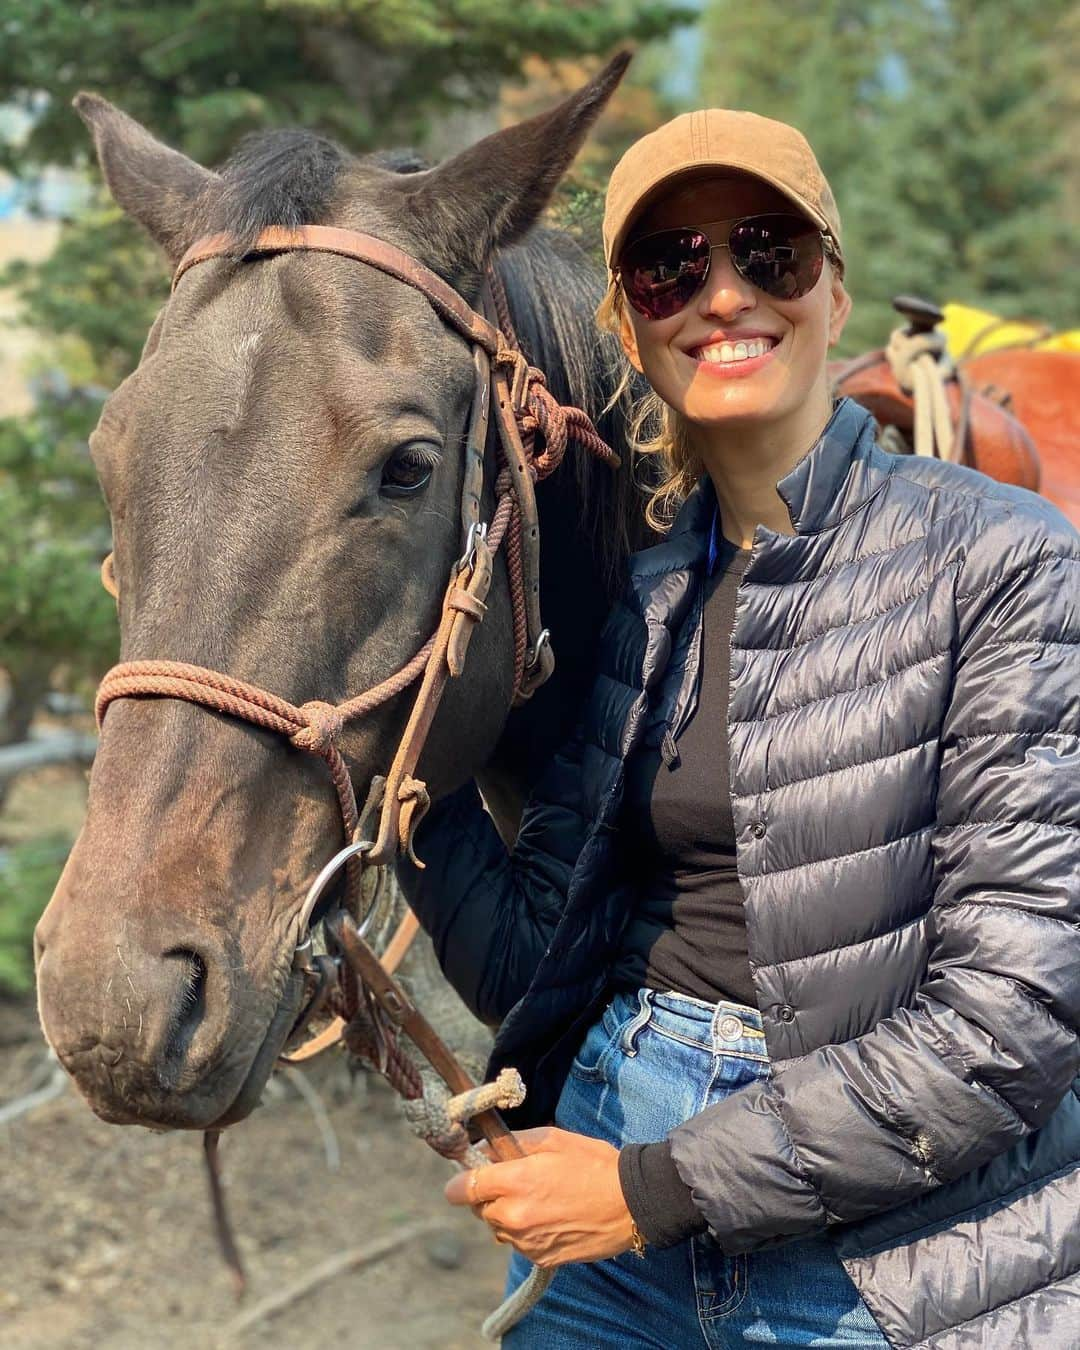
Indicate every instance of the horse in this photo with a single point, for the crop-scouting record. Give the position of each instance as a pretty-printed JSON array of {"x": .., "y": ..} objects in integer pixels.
[{"x": 283, "y": 471}]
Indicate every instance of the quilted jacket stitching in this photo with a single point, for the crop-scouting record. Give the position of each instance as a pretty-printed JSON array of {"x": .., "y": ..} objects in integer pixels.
[
  {"x": 1043, "y": 733},
  {"x": 773, "y": 1100},
  {"x": 853, "y": 562},
  {"x": 838, "y": 857},
  {"x": 1028, "y": 642},
  {"x": 1042, "y": 824},
  {"x": 929, "y": 1341},
  {"x": 839, "y": 693},
  {"x": 1028, "y": 566},
  {"x": 845, "y": 946},
  {"x": 849, "y": 623},
  {"x": 987, "y": 1209},
  {"x": 998, "y": 905},
  {"x": 840, "y": 768}
]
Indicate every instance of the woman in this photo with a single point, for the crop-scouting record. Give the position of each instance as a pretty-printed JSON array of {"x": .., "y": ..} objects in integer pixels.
[{"x": 787, "y": 946}]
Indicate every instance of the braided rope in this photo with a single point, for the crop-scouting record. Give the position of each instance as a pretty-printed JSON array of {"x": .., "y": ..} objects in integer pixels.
[
  {"x": 921, "y": 368},
  {"x": 312, "y": 727}
]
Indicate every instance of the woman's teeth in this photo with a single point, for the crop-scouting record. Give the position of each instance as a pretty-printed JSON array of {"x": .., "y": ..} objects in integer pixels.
[{"x": 725, "y": 353}]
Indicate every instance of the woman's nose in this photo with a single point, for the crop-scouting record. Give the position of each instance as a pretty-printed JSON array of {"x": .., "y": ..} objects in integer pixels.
[{"x": 725, "y": 293}]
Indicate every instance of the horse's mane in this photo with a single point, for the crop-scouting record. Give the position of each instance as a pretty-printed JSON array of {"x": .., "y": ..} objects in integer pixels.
[
  {"x": 289, "y": 177},
  {"x": 553, "y": 291}
]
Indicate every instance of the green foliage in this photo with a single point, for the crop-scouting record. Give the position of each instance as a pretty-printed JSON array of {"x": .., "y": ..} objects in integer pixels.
[
  {"x": 28, "y": 875},
  {"x": 975, "y": 153},
  {"x": 201, "y": 72},
  {"x": 940, "y": 127},
  {"x": 53, "y": 533},
  {"x": 97, "y": 293}
]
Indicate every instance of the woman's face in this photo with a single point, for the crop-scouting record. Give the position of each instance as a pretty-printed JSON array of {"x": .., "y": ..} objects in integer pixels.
[{"x": 787, "y": 382}]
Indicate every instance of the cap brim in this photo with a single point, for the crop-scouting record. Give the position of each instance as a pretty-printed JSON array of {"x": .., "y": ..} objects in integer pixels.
[{"x": 700, "y": 168}]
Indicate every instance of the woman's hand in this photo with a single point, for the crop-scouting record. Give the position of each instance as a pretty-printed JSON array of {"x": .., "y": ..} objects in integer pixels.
[{"x": 562, "y": 1202}]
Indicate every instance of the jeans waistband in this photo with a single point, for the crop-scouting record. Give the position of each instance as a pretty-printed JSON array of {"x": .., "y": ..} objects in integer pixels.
[{"x": 720, "y": 1028}]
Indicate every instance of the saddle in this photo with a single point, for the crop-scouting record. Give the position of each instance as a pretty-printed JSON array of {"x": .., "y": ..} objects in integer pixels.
[{"x": 926, "y": 406}]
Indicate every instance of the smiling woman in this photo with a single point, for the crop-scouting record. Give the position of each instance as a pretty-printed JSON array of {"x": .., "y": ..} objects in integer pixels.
[{"x": 786, "y": 947}]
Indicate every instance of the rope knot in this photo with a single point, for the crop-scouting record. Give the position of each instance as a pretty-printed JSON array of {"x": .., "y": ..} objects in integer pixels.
[
  {"x": 905, "y": 349},
  {"x": 322, "y": 725}
]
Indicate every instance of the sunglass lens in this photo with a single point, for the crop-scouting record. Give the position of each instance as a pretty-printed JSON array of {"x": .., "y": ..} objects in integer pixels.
[
  {"x": 662, "y": 272},
  {"x": 780, "y": 254}
]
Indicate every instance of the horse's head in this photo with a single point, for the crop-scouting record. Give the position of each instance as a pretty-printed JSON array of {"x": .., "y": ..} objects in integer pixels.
[{"x": 284, "y": 473}]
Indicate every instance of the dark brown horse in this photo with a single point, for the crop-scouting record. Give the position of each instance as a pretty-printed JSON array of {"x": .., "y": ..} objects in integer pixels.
[{"x": 283, "y": 471}]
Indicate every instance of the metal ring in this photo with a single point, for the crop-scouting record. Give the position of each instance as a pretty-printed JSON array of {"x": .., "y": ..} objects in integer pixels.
[
  {"x": 368, "y": 918},
  {"x": 329, "y": 871}
]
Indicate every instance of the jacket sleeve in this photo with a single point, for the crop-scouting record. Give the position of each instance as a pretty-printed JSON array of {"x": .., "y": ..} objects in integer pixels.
[
  {"x": 491, "y": 913},
  {"x": 988, "y": 1047}
]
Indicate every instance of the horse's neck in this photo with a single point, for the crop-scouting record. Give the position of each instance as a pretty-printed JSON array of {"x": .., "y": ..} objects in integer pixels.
[{"x": 574, "y": 605}]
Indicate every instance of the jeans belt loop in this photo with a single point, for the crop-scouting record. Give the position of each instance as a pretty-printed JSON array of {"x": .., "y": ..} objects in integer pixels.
[{"x": 637, "y": 1023}]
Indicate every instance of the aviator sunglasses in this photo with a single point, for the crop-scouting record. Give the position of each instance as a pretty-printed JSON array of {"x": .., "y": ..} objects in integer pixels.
[{"x": 780, "y": 254}]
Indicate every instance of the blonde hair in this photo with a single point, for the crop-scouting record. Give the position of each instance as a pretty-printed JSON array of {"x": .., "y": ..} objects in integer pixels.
[{"x": 653, "y": 428}]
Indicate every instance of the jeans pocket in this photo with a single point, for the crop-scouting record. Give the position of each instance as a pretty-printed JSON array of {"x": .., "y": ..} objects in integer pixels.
[
  {"x": 721, "y": 1281},
  {"x": 590, "y": 1062}
]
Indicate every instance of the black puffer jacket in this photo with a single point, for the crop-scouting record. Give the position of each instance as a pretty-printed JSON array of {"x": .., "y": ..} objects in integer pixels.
[{"x": 905, "y": 765}]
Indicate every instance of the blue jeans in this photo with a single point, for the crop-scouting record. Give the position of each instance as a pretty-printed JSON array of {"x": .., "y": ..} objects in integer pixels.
[{"x": 652, "y": 1061}]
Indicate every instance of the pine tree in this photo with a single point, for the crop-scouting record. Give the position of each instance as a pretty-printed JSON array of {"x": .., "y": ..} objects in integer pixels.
[{"x": 975, "y": 158}]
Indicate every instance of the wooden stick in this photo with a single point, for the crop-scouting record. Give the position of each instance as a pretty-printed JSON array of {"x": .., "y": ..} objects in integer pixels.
[
  {"x": 56, "y": 1086},
  {"x": 352, "y": 1259}
]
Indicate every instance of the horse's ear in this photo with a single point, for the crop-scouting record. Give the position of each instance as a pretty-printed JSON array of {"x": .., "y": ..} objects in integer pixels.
[
  {"x": 154, "y": 185},
  {"x": 493, "y": 192}
]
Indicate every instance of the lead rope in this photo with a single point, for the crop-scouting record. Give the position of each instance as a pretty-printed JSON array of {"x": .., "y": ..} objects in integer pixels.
[{"x": 439, "y": 1119}]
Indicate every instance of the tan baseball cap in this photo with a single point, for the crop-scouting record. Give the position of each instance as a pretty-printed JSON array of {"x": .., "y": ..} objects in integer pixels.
[{"x": 718, "y": 138}]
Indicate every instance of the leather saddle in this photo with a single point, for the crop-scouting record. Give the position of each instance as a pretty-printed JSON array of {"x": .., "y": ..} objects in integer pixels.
[{"x": 925, "y": 405}]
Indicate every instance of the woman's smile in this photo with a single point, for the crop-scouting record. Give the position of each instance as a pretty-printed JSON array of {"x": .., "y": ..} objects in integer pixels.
[{"x": 734, "y": 354}]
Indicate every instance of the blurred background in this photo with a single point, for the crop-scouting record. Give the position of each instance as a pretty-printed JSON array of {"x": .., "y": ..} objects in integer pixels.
[{"x": 948, "y": 131}]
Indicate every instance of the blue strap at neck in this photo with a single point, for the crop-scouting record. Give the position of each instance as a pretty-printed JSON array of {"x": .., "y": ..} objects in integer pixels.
[{"x": 714, "y": 547}]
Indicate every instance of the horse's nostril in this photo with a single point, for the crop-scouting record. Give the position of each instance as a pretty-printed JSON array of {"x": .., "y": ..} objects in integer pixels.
[{"x": 191, "y": 1006}]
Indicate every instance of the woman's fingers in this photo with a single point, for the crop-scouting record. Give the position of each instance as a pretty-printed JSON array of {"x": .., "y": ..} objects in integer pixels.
[{"x": 462, "y": 1188}]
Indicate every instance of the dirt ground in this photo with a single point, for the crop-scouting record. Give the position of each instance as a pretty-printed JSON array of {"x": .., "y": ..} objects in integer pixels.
[{"x": 107, "y": 1239}]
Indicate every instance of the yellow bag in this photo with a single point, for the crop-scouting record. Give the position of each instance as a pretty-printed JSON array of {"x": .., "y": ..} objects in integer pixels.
[{"x": 970, "y": 332}]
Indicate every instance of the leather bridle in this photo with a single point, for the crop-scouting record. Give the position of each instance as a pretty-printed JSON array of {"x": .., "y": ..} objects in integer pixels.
[{"x": 516, "y": 394}]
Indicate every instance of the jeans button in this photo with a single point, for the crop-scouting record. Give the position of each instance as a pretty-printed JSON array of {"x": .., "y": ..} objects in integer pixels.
[
  {"x": 731, "y": 1027},
  {"x": 786, "y": 1012}
]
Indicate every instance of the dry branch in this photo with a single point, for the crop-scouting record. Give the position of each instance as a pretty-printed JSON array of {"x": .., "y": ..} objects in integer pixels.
[
  {"x": 352, "y": 1259},
  {"x": 62, "y": 748}
]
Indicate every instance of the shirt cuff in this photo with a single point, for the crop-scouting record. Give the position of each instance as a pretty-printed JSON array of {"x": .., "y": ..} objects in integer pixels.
[{"x": 658, "y": 1199}]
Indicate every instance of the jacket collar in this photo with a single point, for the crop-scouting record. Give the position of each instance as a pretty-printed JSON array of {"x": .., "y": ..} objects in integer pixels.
[{"x": 839, "y": 473}]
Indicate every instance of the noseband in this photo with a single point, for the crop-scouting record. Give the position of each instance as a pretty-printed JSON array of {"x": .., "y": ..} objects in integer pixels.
[{"x": 516, "y": 394}]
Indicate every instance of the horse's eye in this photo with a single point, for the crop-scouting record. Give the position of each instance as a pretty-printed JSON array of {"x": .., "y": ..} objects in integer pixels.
[{"x": 409, "y": 468}]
